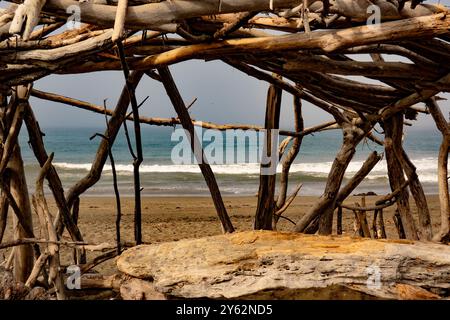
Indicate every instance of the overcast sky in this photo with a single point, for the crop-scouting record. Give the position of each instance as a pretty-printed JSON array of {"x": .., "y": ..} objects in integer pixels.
[{"x": 224, "y": 95}]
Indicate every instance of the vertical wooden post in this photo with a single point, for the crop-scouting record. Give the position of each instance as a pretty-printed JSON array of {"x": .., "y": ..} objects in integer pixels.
[
  {"x": 4, "y": 205},
  {"x": 266, "y": 194},
  {"x": 399, "y": 225},
  {"x": 444, "y": 198},
  {"x": 339, "y": 221},
  {"x": 363, "y": 218},
  {"x": 290, "y": 157},
  {"x": 393, "y": 128},
  {"x": 352, "y": 136},
  {"x": 186, "y": 122},
  {"x": 24, "y": 255}
]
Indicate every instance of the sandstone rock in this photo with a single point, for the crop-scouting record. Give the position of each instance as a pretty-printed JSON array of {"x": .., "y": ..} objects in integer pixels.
[{"x": 289, "y": 265}]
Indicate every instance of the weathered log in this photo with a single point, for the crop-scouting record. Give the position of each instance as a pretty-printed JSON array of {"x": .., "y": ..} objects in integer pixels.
[
  {"x": 119, "y": 21},
  {"x": 250, "y": 263},
  {"x": 15, "y": 188},
  {"x": 339, "y": 221}
]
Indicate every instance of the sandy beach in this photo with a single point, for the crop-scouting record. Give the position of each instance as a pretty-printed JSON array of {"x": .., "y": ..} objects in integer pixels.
[{"x": 175, "y": 218}]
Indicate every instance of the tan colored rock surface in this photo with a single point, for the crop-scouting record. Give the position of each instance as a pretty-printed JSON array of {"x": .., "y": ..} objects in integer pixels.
[{"x": 258, "y": 263}]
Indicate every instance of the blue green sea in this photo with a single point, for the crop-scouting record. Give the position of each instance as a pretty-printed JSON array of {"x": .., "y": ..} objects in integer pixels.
[{"x": 74, "y": 152}]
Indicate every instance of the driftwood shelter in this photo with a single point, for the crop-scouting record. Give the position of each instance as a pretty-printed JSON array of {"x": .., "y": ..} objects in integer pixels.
[{"x": 307, "y": 48}]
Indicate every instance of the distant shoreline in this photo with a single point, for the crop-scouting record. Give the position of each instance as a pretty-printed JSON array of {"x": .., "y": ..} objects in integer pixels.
[{"x": 200, "y": 196}]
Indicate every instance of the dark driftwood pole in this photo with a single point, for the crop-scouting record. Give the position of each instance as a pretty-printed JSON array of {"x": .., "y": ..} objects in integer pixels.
[
  {"x": 266, "y": 204},
  {"x": 186, "y": 122},
  {"x": 138, "y": 157}
]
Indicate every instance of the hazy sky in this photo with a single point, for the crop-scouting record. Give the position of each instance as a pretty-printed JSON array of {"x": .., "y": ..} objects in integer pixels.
[{"x": 224, "y": 95}]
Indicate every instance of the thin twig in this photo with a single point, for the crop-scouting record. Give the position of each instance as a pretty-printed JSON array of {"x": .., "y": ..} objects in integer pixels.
[{"x": 139, "y": 157}]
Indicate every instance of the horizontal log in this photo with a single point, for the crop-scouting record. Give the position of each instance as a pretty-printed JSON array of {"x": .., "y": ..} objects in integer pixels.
[
  {"x": 358, "y": 68},
  {"x": 257, "y": 264},
  {"x": 327, "y": 41},
  {"x": 149, "y": 15}
]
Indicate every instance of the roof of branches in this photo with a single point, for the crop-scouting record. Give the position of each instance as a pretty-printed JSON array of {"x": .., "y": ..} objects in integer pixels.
[{"x": 315, "y": 53}]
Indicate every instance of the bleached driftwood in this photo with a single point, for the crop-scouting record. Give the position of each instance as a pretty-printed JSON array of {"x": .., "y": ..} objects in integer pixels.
[{"x": 270, "y": 264}]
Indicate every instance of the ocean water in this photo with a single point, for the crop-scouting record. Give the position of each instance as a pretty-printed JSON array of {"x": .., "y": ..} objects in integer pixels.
[{"x": 74, "y": 152}]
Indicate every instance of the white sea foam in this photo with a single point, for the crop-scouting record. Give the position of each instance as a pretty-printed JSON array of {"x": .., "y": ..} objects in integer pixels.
[{"x": 426, "y": 168}]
